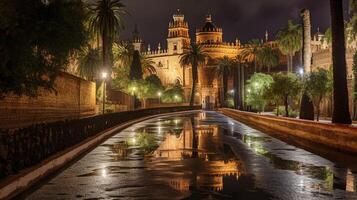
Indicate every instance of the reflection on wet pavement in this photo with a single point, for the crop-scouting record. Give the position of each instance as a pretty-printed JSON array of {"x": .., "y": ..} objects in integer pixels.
[{"x": 203, "y": 155}]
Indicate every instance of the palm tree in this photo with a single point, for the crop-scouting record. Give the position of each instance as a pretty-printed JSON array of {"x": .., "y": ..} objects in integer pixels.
[
  {"x": 341, "y": 112},
  {"x": 268, "y": 57},
  {"x": 239, "y": 81},
  {"x": 106, "y": 21},
  {"x": 122, "y": 53},
  {"x": 289, "y": 40},
  {"x": 193, "y": 57},
  {"x": 148, "y": 65},
  {"x": 89, "y": 62},
  {"x": 251, "y": 52},
  {"x": 223, "y": 71}
]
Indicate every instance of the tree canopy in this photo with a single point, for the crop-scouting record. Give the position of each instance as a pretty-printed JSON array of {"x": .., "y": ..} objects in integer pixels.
[
  {"x": 284, "y": 88},
  {"x": 257, "y": 87},
  {"x": 36, "y": 40},
  {"x": 318, "y": 86}
]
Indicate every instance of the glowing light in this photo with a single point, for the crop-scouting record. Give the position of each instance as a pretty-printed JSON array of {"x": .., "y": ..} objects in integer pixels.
[
  {"x": 134, "y": 140},
  {"x": 301, "y": 71},
  {"x": 104, "y": 172},
  {"x": 104, "y": 75},
  {"x": 248, "y": 90},
  {"x": 159, "y": 94},
  {"x": 232, "y": 91}
]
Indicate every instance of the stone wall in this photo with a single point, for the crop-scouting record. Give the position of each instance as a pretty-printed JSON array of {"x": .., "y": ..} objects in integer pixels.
[
  {"x": 323, "y": 59},
  {"x": 340, "y": 137},
  {"x": 74, "y": 98}
]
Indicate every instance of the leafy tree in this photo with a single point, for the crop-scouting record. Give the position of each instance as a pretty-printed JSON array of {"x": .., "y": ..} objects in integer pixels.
[
  {"x": 106, "y": 21},
  {"x": 224, "y": 70},
  {"x": 257, "y": 87},
  {"x": 284, "y": 88},
  {"x": 36, "y": 40},
  {"x": 252, "y": 51},
  {"x": 89, "y": 62},
  {"x": 289, "y": 40},
  {"x": 121, "y": 78},
  {"x": 268, "y": 57},
  {"x": 341, "y": 112},
  {"x": 193, "y": 57},
  {"x": 172, "y": 92},
  {"x": 136, "y": 71},
  {"x": 318, "y": 86},
  {"x": 154, "y": 85}
]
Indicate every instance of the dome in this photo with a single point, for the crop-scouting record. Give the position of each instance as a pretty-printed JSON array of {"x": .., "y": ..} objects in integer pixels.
[{"x": 209, "y": 25}]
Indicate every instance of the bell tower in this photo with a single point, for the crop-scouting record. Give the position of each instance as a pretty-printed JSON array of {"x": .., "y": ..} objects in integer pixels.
[
  {"x": 178, "y": 38},
  {"x": 137, "y": 41}
]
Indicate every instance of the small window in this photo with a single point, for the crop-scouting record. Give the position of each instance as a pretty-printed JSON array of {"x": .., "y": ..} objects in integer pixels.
[{"x": 175, "y": 47}]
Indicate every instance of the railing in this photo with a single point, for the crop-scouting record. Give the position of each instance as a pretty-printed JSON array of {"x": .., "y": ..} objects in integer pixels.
[{"x": 26, "y": 147}]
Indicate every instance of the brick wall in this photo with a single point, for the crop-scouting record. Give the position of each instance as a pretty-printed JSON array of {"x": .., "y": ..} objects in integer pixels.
[{"x": 75, "y": 98}]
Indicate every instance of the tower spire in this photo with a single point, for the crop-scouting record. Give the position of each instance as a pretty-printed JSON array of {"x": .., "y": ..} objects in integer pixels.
[{"x": 266, "y": 36}]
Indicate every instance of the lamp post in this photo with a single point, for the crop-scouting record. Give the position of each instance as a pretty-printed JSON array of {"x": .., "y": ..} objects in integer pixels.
[
  {"x": 159, "y": 95},
  {"x": 104, "y": 76},
  {"x": 176, "y": 97},
  {"x": 133, "y": 90}
]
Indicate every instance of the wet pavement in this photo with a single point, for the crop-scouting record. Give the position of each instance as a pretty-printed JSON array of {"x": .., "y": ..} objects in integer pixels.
[{"x": 203, "y": 155}]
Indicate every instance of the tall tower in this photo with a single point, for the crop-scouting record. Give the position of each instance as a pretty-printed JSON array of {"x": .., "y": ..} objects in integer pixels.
[
  {"x": 178, "y": 37},
  {"x": 137, "y": 41}
]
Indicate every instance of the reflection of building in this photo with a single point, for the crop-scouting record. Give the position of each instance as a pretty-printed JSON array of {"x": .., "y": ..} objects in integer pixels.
[
  {"x": 167, "y": 60},
  {"x": 212, "y": 161}
]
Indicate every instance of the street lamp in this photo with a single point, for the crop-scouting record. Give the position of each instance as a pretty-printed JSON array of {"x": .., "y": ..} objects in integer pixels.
[
  {"x": 176, "y": 97},
  {"x": 104, "y": 77},
  {"x": 159, "y": 95},
  {"x": 301, "y": 71}
]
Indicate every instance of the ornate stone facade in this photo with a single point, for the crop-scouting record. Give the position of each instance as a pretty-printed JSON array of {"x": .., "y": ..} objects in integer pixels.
[{"x": 167, "y": 61}]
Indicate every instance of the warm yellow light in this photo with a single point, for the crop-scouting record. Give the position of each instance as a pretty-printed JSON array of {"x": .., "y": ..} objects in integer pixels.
[
  {"x": 159, "y": 94},
  {"x": 104, "y": 75}
]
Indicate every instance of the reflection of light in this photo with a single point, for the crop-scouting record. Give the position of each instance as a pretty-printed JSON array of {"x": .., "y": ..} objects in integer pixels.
[
  {"x": 350, "y": 181},
  {"x": 134, "y": 141},
  {"x": 104, "y": 172},
  {"x": 176, "y": 121},
  {"x": 159, "y": 129}
]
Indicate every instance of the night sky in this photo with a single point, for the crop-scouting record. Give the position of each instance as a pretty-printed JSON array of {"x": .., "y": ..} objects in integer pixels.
[{"x": 245, "y": 19}]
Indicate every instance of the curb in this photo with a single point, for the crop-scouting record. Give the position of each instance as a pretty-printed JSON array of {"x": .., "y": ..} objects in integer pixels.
[{"x": 14, "y": 185}]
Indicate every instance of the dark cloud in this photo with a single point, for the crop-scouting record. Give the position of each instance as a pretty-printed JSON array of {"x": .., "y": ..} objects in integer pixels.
[{"x": 245, "y": 19}]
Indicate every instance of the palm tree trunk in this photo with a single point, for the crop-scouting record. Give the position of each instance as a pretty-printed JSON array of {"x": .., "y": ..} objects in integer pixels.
[
  {"x": 255, "y": 65},
  {"x": 235, "y": 86},
  {"x": 225, "y": 86},
  {"x": 291, "y": 63},
  {"x": 306, "y": 40},
  {"x": 242, "y": 88},
  {"x": 306, "y": 105},
  {"x": 341, "y": 112},
  {"x": 288, "y": 62},
  {"x": 286, "y": 103},
  {"x": 194, "y": 81}
]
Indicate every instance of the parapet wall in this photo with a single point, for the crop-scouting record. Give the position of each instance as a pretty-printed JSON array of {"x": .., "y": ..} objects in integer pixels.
[
  {"x": 74, "y": 98},
  {"x": 335, "y": 136}
]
